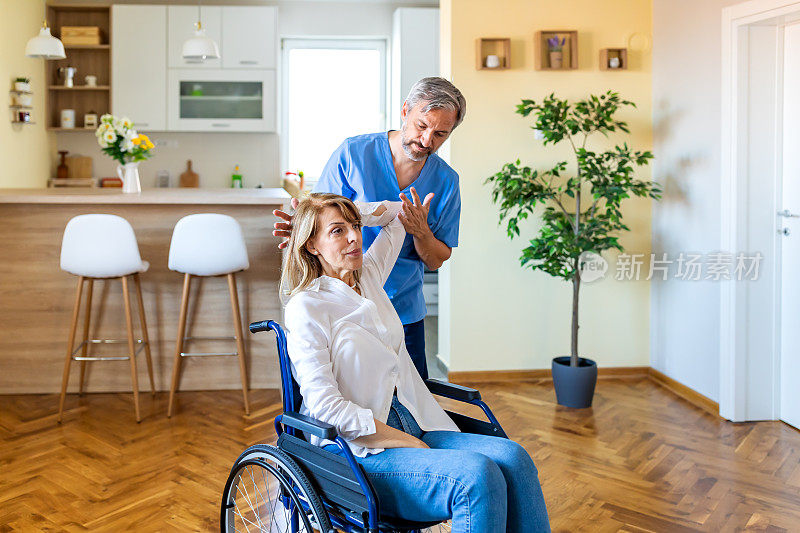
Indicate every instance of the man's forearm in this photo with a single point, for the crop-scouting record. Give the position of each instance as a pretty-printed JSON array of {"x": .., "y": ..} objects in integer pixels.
[{"x": 431, "y": 250}]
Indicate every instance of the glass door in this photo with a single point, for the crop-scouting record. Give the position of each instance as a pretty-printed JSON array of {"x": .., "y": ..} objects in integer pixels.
[
  {"x": 221, "y": 99},
  {"x": 224, "y": 100}
]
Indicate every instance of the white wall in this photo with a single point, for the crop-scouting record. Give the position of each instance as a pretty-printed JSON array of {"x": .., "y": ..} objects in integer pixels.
[
  {"x": 258, "y": 154},
  {"x": 684, "y": 315},
  {"x": 415, "y": 53}
]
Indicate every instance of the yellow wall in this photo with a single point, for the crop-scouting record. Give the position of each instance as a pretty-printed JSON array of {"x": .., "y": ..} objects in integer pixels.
[
  {"x": 494, "y": 314},
  {"x": 24, "y": 150}
]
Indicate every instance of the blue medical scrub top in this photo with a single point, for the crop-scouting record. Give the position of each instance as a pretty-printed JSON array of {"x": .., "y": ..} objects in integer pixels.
[{"x": 362, "y": 169}]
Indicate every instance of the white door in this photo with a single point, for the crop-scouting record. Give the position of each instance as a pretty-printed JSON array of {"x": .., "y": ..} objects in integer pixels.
[
  {"x": 249, "y": 36},
  {"x": 182, "y": 25},
  {"x": 790, "y": 222},
  {"x": 139, "y": 65}
]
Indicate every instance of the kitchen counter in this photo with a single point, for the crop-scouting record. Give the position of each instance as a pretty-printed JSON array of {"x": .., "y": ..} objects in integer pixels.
[
  {"x": 173, "y": 196},
  {"x": 36, "y": 296}
]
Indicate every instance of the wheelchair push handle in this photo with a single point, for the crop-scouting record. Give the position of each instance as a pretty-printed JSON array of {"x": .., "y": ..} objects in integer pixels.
[{"x": 263, "y": 325}]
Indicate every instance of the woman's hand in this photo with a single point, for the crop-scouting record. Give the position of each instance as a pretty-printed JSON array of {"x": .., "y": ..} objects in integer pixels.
[
  {"x": 284, "y": 229},
  {"x": 389, "y": 437}
]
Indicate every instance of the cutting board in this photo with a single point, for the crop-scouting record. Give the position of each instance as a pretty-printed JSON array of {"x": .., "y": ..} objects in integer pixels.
[
  {"x": 189, "y": 178},
  {"x": 79, "y": 167}
]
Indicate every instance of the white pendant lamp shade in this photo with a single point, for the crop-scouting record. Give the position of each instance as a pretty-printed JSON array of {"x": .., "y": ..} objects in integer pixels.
[
  {"x": 200, "y": 46},
  {"x": 45, "y": 45}
]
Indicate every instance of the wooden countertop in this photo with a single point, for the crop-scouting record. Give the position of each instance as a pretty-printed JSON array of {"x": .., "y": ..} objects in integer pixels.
[{"x": 176, "y": 196}]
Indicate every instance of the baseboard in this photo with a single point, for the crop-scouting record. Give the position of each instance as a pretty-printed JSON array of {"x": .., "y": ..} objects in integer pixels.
[
  {"x": 622, "y": 372},
  {"x": 691, "y": 396},
  {"x": 542, "y": 374}
]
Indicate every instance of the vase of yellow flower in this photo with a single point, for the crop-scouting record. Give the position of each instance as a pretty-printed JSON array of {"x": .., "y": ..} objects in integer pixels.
[{"x": 118, "y": 138}]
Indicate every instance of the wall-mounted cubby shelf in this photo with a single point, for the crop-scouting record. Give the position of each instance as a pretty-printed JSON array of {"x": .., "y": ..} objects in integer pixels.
[
  {"x": 543, "y": 60},
  {"x": 611, "y": 56},
  {"x": 493, "y": 46}
]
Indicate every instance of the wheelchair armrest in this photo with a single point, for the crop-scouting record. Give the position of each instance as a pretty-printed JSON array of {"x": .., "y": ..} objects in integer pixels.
[
  {"x": 452, "y": 391},
  {"x": 309, "y": 425}
]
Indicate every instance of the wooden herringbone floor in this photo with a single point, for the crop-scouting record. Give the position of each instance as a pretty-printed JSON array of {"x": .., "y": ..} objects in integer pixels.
[{"x": 641, "y": 459}]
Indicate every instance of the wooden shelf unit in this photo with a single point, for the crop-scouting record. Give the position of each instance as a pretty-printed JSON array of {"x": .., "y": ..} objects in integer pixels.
[
  {"x": 80, "y": 88},
  {"x": 87, "y": 47},
  {"x": 541, "y": 53},
  {"x": 499, "y": 46},
  {"x": 77, "y": 128},
  {"x": 607, "y": 53},
  {"x": 90, "y": 59}
]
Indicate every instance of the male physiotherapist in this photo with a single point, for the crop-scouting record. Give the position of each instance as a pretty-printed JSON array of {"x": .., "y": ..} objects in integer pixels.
[{"x": 403, "y": 164}]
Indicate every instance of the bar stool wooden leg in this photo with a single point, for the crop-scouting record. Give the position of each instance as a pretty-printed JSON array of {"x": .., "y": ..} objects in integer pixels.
[
  {"x": 176, "y": 366},
  {"x": 131, "y": 346},
  {"x": 86, "y": 319},
  {"x": 71, "y": 342},
  {"x": 145, "y": 337},
  {"x": 237, "y": 326}
]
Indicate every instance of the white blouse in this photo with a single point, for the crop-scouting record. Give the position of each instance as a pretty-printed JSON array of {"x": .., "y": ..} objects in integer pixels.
[{"x": 348, "y": 352}]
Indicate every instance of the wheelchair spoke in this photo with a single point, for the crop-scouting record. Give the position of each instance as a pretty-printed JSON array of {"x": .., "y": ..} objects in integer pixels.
[
  {"x": 253, "y": 508},
  {"x": 244, "y": 520},
  {"x": 255, "y": 487}
]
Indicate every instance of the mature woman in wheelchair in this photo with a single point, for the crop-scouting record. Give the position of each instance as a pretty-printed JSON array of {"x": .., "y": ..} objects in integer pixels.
[{"x": 348, "y": 356}]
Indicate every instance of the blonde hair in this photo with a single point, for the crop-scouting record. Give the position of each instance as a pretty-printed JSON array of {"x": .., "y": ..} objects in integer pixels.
[{"x": 300, "y": 267}]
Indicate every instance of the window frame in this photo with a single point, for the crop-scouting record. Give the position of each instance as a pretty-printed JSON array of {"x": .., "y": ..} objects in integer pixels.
[{"x": 378, "y": 43}]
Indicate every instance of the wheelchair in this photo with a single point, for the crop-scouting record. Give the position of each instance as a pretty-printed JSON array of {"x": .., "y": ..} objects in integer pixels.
[{"x": 298, "y": 487}]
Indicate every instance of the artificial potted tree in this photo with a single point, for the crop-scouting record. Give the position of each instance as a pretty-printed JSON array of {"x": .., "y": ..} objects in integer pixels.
[{"x": 581, "y": 213}]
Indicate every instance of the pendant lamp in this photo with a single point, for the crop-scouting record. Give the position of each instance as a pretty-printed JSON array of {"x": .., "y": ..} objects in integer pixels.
[
  {"x": 45, "y": 45},
  {"x": 200, "y": 47}
]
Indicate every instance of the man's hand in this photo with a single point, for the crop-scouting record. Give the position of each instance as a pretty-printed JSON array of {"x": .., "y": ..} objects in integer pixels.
[
  {"x": 284, "y": 229},
  {"x": 415, "y": 216}
]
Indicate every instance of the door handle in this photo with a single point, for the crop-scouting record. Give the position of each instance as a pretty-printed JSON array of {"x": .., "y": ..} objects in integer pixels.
[
  {"x": 788, "y": 214},
  {"x": 248, "y": 62},
  {"x": 785, "y": 232},
  {"x": 219, "y": 125}
]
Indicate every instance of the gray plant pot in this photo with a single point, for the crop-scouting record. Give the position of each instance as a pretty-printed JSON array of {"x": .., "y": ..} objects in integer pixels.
[{"x": 574, "y": 385}]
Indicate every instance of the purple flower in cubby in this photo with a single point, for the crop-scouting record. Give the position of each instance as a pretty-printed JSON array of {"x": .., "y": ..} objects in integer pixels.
[{"x": 554, "y": 44}]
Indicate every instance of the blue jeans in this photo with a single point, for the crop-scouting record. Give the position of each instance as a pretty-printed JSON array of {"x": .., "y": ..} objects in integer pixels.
[{"x": 484, "y": 484}]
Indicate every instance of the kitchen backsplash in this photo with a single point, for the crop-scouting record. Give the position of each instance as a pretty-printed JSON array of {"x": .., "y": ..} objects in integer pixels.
[{"x": 213, "y": 156}]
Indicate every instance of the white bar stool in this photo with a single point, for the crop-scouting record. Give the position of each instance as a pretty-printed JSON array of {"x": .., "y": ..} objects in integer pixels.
[
  {"x": 103, "y": 247},
  {"x": 208, "y": 245}
]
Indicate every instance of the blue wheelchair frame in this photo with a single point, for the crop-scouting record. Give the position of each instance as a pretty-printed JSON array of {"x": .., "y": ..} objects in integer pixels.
[{"x": 291, "y": 423}]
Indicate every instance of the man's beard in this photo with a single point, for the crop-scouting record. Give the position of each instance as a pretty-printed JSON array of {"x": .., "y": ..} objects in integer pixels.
[{"x": 406, "y": 144}]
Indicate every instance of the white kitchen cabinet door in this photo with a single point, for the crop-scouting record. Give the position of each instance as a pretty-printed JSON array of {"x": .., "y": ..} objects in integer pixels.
[
  {"x": 182, "y": 25},
  {"x": 139, "y": 65},
  {"x": 249, "y": 36}
]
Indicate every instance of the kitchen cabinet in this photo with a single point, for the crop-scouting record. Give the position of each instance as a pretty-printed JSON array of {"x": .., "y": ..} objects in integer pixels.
[
  {"x": 182, "y": 25},
  {"x": 138, "y": 66},
  {"x": 249, "y": 37},
  {"x": 222, "y": 100}
]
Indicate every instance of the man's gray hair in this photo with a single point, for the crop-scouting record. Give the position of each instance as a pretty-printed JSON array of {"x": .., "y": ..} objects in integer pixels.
[{"x": 437, "y": 93}]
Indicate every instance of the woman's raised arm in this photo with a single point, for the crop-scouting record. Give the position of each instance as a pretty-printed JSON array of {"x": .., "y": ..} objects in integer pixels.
[{"x": 383, "y": 253}]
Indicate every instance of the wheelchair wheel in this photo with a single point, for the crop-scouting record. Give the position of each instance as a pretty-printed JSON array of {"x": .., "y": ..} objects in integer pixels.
[{"x": 267, "y": 492}]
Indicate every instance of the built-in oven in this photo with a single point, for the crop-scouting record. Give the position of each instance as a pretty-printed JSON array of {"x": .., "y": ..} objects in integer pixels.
[{"x": 221, "y": 100}]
